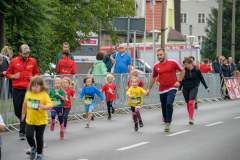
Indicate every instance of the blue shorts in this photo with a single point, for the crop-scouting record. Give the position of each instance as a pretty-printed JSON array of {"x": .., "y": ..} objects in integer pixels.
[
  {"x": 57, "y": 110},
  {"x": 89, "y": 107}
]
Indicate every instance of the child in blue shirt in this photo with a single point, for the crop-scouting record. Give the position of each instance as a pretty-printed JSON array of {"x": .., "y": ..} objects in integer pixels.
[{"x": 89, "y": 92}]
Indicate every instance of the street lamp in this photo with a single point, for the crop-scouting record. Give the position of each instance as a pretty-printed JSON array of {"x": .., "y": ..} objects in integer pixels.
[
  {"x": 155, "y": 35},
  {"x": 191, "y": 38}
]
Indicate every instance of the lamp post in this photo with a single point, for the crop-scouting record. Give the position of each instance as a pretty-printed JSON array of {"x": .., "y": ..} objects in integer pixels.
[
  {"x": 191, "y": 38},
  {"x": 155, "y": 32}
]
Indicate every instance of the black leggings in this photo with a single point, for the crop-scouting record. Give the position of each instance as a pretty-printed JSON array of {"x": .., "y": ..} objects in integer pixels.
[
  {"x": 190, "y": 94},
  {"x": 39, "y": 136},
  {"x": 65, "y": 115},
  {"x": 109, "y": 105}
]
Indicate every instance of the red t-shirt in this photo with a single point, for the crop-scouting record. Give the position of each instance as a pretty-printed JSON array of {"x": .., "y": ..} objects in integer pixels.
[
  {"x": 196, "y": 66},
  {"x": 205, "y": 69},
  {"x": 69, "y": 92},
  {"x": 109, "y": 92},
  {"x": 167, "y": 74},
  {"x": 140, "y": 84}
]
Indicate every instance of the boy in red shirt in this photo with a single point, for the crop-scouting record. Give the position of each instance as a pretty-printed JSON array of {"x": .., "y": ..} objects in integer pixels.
[
  {"x": 66, "y": 65},
  {"x": 205, "y": 67},
  {"x": 134, "y": 73}
]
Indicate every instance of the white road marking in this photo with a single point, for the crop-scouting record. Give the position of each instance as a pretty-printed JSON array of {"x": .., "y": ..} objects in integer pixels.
[
  {"x": 174, "y": 134},
  {"x": 83, "y": 159},
  {"x": 236, "y": 118},
  {"x": 132, "y": 146},
  {"x": 212, "y": 124}
]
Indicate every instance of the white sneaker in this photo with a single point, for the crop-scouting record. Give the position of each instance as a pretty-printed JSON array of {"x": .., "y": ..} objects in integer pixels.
[{"x": 191, "y": 121}]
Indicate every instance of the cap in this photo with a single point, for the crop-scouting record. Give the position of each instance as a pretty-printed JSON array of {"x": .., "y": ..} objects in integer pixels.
[{"x": 24, "y": 48}]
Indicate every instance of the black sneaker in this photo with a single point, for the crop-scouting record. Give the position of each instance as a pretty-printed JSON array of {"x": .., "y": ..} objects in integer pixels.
[
  {"x": 196, "y": 106},
  {"x": 136, "y": 127},
  {"x": 140, "y": 123},
  {"x": 92, "y": 118},
  {"x": 109, "y": 117},
  {"x": 113, "y": 110}
]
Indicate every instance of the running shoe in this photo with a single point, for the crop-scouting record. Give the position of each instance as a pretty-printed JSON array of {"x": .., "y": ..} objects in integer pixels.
[
  {"x": 39, "y": 157},
  {"x": 61, "y": 134},
  {"x": 109, "y": 117},
  {"x": 196, "y": 106},
  {"x": 33, "y": 154},
  {"x": 22, "y": 136},
  {"x": 140, "y": 123},
  {"x": 92, "y": 118},
  {"x": 113, "y": 110},
  {"x": 167, "y": 127},
  {"x": 52, "y": 126},
  {"x": 87, "y": 125},
  {"x": 191, "y": 121},
  {"x": 136, "y": 127},
  {"x": 163, "y": 120}
]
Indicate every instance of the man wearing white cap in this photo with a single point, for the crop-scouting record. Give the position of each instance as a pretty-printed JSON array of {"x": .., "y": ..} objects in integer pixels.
[{"x": 20, "y": 71}]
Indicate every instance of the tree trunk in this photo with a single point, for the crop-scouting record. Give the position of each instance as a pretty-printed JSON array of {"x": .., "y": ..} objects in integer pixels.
[{"x": 2, "y": 31}]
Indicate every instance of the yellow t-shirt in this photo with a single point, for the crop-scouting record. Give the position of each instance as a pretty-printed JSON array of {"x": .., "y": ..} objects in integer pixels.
[
  {"x": 137, "y": 100},
  {"x": 35, "y": 115}
]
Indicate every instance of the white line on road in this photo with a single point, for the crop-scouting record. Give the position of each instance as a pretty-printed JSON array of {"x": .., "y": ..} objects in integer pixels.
[
  {"x": 212, "y": 124},
  {"x": 174, "y": 134},
  {"x": 132, "y": 146},
  {"x": 236, "y": 118}
]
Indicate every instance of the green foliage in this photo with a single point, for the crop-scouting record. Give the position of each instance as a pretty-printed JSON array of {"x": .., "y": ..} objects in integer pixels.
[
  {"x": 210, "y": 41},
  {"x": 45, "y": 24}
]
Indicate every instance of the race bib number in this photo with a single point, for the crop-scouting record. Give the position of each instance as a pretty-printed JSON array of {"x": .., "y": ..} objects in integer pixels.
[
  {"x": 33, "y": 103},
  {"x": 88, "y": 101},
  {"x": 136, "y": 100},
  {"x": 56, "y": 102}
]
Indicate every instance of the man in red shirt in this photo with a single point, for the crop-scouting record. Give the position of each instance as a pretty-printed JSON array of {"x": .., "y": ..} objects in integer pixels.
[
  {"x": 21, "y": 69},
  {"x": 206, "y": 67},
  {"x": 66, "y": 65},
  {"x": 166, "y": 70}
]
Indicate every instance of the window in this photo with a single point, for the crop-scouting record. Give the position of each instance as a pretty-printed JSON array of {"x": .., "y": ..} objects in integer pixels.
[
  {"x": 200, "y": 38},
  {"x": 201, "y": 18},
  {"x": 183, "y": 17}
]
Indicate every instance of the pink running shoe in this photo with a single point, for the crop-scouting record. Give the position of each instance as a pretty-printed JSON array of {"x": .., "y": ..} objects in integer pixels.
[
  {"x": 61, "y": 134},
  {"x": 163, "y": 121},
  {"x": 43, "y": 150},
  {"x": 52, "y": 126}
]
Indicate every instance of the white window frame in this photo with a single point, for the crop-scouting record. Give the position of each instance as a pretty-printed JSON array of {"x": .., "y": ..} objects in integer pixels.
[
  {"x": 186, "y": 17},
  {"x": 201, "y": 18},
  {"x": 201, "y": 39}
]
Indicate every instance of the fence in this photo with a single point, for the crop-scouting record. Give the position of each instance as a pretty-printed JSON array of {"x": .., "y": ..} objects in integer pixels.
[
  {"x": 121, "y": 104},
  {"x": 231, "y": 87}
]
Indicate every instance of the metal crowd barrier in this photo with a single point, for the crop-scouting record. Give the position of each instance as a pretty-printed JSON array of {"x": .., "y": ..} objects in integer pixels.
[{"x": 121, "y": 104}]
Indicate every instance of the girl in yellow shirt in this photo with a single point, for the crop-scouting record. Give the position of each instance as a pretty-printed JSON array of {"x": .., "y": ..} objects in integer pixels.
[
  {"x": 36, "y": 103},
  {"x": 135, "y": 101}
]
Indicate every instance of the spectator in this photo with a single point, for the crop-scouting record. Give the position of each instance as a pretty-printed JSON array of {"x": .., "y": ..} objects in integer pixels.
[
  {"x": 217, "y": 66},
  {"x": 238, "y": 68},
  {"x": 232, "y": 66},
  {"x": 237, "y": 73},
  {"x": 90, "y": 71},
  {"x": 198, "y": 64},
  {"x": 66, "y": 65},
  {"x": 226, "y": 69},
  {"x": 21, "y": 69},
  {"x": 206, "y": 67},
  {"x": 99, "y": 66},
  {"x": 4, "y": 72},
  {"x": 221, "y": 60},
  {"x": 59, "y": 56},
  {"x": 107, "y": 59},
  {"x": 123, "y": 61}
]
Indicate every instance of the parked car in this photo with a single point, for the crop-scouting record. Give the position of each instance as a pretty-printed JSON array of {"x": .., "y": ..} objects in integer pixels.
[{"x": 140, "y": 66}]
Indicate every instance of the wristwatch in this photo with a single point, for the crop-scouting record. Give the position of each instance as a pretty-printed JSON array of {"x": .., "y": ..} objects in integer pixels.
[{"x": 180, "y": 82}]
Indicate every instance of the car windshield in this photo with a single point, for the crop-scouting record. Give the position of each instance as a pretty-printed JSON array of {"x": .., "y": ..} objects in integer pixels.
[{"x": 147, "y": 65}]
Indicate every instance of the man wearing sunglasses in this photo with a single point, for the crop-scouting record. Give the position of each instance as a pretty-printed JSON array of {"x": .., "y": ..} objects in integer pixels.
[{"x": 107, "y": 59}]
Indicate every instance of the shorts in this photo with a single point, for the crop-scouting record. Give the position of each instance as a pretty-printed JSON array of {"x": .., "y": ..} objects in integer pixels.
[
  {"x": 89, "y": 107},
  {"x": 57, "y": 110}
]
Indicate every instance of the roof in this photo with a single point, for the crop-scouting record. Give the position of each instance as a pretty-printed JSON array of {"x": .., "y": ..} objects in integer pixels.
[{"x": 174, "y": 35}]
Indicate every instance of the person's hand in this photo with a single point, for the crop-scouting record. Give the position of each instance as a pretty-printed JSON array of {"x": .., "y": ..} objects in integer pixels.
[
  {"x": 74, "y": 98},
  {"x": 133, "y": 95},
  {"x": 177, "y": 84},
  {"x": 112, "y": 73},
  {"x": 23, "y": 116},
  {"x": 222, "y": 75},
  {"x": 41, "y": 106},
  {"x": 30, "y": 77},
  {"x": 179, "y": 93},
  {"x": 17, "y": 75},
  {"x": 208, "y": 89},
  {"x": 126, "y": 88},
  {"x": 80, "y": 100},
  {"x": 102, "y": 101},
  {"x": 157, "y": 83},
  {"x": 4, "y": 72},
  {"x": 147, "y": 92},
  {"x": 57, "y": 94}
]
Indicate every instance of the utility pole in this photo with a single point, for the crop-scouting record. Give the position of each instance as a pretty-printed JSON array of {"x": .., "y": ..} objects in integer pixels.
[
  {"x": 153, "y": 36},
  {"x": 219, "y": 29},
  {"x": 163, "y": 25},
  {"x": 233, "y": 32},
  {"x": 2, "y": 31}
]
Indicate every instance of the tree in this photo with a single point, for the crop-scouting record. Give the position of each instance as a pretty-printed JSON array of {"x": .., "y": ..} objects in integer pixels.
[
  {"x": 45, "y": 24},
  {"x": 210, "y": 42}
]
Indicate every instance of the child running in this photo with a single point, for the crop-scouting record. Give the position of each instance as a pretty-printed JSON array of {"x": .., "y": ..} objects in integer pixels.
[
  {"x": 58, "y": 98},
  {"x": 89, "y": 92},
  {"x": 135, "y": 94},
  {"x": 36, "y": 103},
  {"x": 69, "y": 92},
  {"x": 134, "y": 73},
  {"x": 109, "y": 90}
]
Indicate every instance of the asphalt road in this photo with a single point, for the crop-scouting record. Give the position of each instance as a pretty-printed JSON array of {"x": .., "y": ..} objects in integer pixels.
[{"x": 214, "y": 136}]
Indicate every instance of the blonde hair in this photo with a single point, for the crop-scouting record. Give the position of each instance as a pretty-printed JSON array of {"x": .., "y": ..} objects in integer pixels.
[
  {"x": 109, "y": 76},
  {"x": 133, "y": 79},
  {"x": 134, "y": 73},
  {"x": 37, "y": 80},
  {"x": 70, "y": 82},
  {"x": 236, "y": 73},
  {"x": 57, "y": 79},
  {"x": 7, "y": 51}
]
